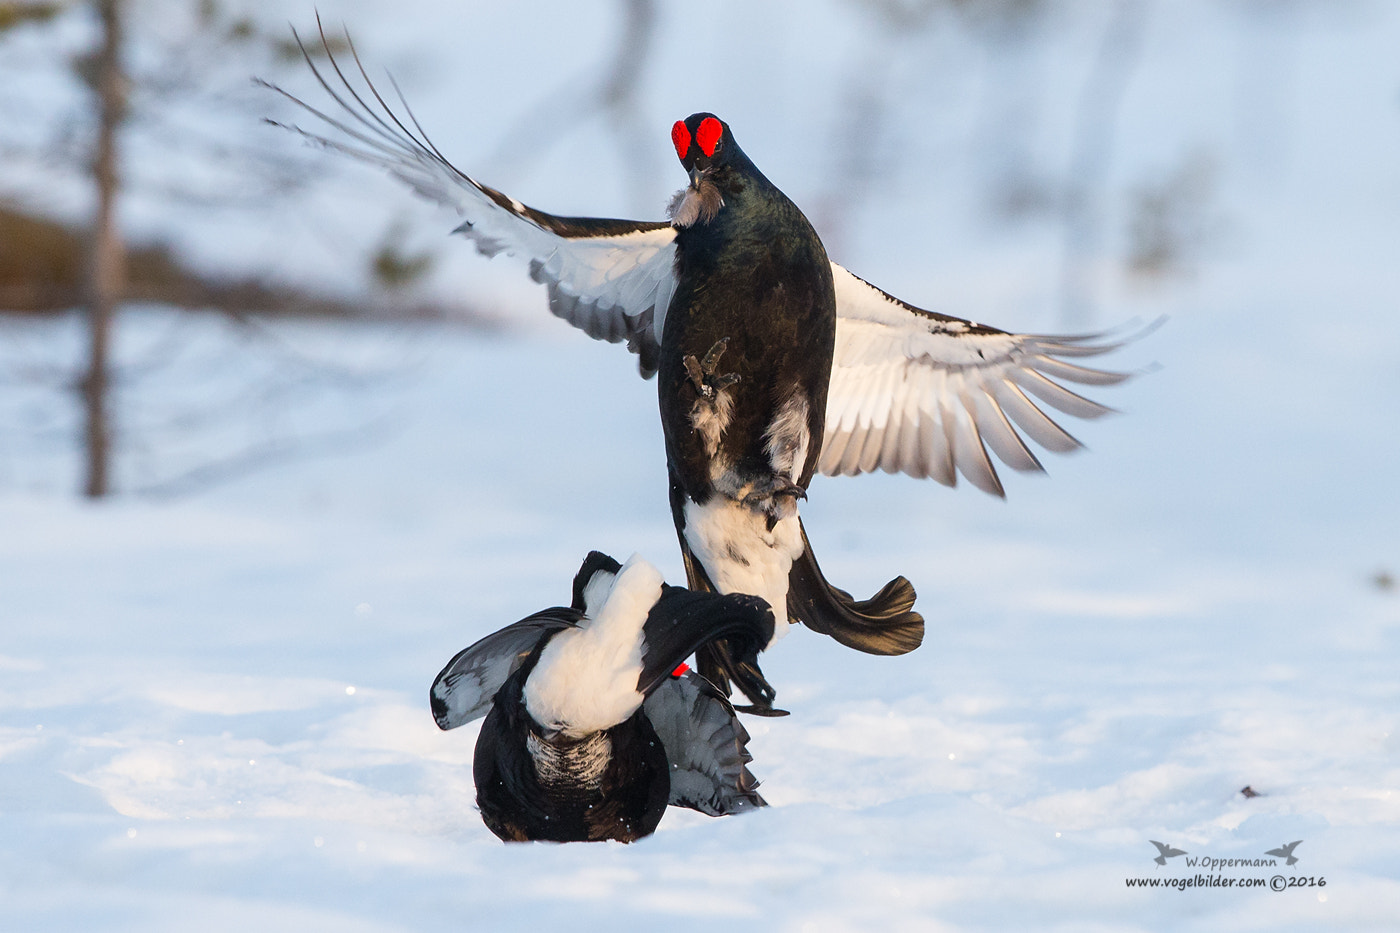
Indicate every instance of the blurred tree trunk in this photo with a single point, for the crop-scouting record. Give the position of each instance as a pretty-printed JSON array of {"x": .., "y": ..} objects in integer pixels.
[{"x": 106, "y": 262}]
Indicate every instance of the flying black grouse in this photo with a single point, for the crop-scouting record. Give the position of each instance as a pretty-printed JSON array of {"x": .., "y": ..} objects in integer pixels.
[
  {"x": 774, "y": 363},
  {"x": 593, "y": 723}
]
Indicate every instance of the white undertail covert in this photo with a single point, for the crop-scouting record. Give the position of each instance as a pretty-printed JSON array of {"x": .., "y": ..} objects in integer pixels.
[
  {"x": 741, "y": 554},
  {"x": 586, "y": 678}
]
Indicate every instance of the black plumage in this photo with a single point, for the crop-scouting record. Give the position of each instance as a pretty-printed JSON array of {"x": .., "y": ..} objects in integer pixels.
[
  {"x": 774, "y": 362},
  {"x": 613, "y": 784},
  {"x": 550, "y": 764},
  {"x": 745, "y": 360}
]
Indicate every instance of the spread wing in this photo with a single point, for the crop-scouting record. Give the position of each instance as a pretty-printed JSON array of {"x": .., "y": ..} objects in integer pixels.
[
  {"x": 926, "y": 394},
  {"x": 463, "y": 691},
  {"x": 706, "y": 746},
  {"x": 612, "y": 279}
]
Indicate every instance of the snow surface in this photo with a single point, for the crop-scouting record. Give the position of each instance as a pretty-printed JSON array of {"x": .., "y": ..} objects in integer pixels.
[{"x": 213, "y": 707}]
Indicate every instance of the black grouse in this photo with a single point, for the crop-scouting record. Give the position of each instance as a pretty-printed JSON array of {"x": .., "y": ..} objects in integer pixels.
[
  {"x": 593, "y": 722},
  {"x": 774, "y": 363}
]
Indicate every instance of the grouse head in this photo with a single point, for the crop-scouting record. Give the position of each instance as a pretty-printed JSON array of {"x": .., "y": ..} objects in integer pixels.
[{"x": 716, "y": 165}]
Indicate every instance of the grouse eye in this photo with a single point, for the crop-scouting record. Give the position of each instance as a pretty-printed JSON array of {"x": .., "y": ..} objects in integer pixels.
[
  {"x": 708, "y": 136},
  {"x": 680, "y": 138}
]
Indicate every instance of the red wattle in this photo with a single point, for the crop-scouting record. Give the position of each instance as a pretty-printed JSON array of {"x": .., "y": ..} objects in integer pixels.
[
  {"x": 680, "y": 137},
  {"x": 708, "y": 134}
]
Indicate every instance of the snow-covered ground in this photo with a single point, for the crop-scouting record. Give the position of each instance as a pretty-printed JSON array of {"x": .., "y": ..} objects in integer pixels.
[{"x": 213, "y": 707}]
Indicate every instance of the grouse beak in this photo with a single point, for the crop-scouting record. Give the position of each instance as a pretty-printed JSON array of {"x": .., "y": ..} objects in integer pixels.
[{"x": 695, "y": 176}]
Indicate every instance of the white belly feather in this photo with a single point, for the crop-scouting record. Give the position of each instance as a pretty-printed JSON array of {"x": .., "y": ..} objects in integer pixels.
[{"x": 734, "y": 545}]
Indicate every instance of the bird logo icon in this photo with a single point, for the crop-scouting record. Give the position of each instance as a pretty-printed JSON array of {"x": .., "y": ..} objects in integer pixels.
[
  {"x": 1286, "y": 851},
  {"x": 1165, "y": 852}
]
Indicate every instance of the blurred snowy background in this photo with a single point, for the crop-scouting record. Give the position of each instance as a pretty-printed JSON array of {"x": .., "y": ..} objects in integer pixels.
[{"x": 341, "y": 446}]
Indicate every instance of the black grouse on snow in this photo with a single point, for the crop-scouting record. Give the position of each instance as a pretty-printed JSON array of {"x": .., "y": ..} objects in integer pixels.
[
  {"x": 593, "y": 722},
  {"x": 774, "y": 363}
]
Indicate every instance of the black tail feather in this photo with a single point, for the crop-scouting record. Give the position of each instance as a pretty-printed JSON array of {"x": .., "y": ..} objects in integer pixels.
[
  {"x": 717, "y": 660},
  {"x": 596, "y": 562},
  {"x": 883, "y": 624}
]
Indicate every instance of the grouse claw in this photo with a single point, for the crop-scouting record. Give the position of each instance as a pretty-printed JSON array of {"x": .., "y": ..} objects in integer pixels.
[
  {"x": 772, "y": 489},
  {"x": 712, "y": 358},
  {"x": 756, "y": 710},
  {"x": 697, "y": 378},
  {"x": 702, "y": 373}
]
